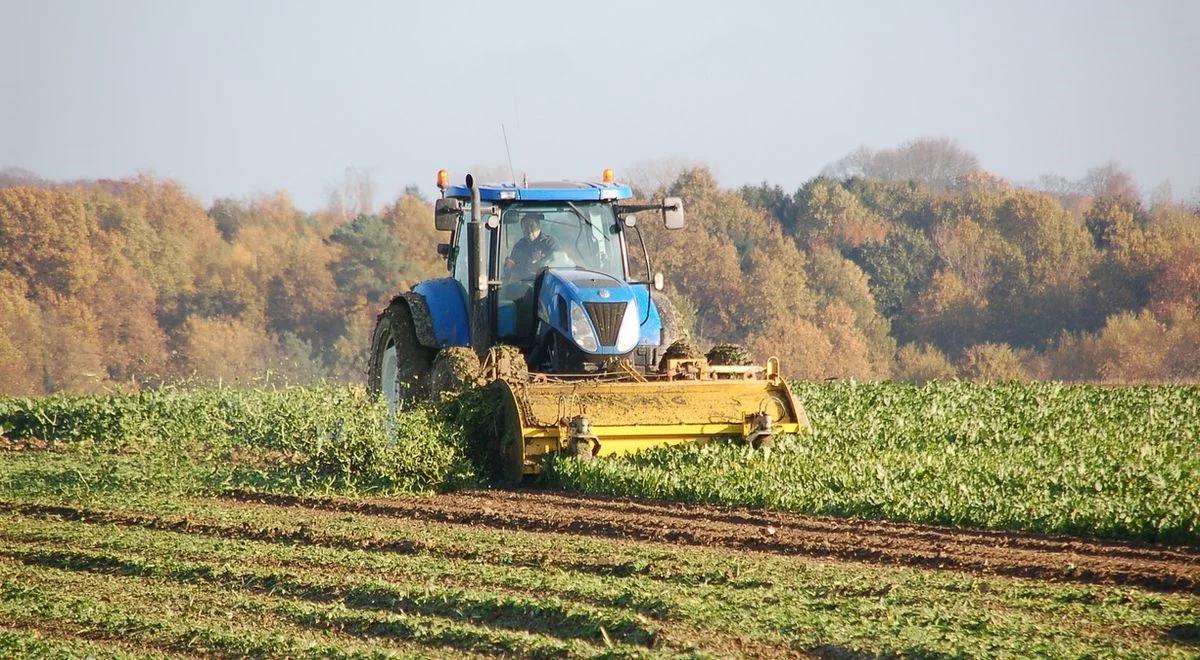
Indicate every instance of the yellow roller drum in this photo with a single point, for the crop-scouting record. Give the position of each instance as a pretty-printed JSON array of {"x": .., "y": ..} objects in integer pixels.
[{"x": 589, "y": 418}]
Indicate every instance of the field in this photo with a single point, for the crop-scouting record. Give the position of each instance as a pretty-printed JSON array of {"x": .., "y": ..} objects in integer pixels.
[
  {"x": 299, "y": 522},
  {"x": 1045, "y": 457}
]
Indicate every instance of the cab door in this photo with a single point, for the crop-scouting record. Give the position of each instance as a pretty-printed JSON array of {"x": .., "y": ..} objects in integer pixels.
[{"x": 461, "y": 269}]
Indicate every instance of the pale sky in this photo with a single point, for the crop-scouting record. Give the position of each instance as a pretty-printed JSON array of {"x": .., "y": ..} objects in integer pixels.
[{"x": 236, "y": 97}]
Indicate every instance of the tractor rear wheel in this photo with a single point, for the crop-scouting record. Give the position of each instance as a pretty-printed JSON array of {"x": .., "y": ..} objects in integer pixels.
[{"x": 399, "y": 366}]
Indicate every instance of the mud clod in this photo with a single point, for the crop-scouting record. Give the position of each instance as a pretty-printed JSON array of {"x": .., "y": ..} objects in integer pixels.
[
  {"x": 731, "y": 355},
  {"x": 454, "y": 369},
  {"x": 508, "y": 363},
  {"x": 682, "y": 348}
]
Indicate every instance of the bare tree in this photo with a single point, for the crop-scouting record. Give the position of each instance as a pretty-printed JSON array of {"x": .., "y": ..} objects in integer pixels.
[
  {"x": 1163, "y": 194},
  {"x": 1109, "y": 180},
  {"x": 648, "y": 177},
  {"x": 936, "y": 161},
  {"x": 355, "y": 195},
  {"x": 19, "y": 176},
  {"x": 1193, "y": 200}
]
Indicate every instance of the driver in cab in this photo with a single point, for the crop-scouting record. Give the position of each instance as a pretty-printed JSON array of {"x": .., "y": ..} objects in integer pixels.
[{"x": 531, "y": 252}]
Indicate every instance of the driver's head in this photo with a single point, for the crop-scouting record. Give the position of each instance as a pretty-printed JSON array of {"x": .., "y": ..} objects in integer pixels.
[{"x": 531, "y": 224}]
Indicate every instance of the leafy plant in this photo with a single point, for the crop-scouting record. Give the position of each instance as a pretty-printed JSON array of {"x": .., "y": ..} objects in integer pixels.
[
  {"x": 1046, "y": 457},
  {"x": 314, "y": 439}
]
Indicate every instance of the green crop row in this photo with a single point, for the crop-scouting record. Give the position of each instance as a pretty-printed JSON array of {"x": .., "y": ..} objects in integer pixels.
[
  {"x": 1045, "y": 457},
  {"x": 326, "y": 438},
  {"x": 216, "y": 577}
]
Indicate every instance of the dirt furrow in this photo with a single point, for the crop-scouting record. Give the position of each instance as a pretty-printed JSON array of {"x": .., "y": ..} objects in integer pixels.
[
  {"x": 894, "y": 532},
  {"x": 1165, "y": 568}
]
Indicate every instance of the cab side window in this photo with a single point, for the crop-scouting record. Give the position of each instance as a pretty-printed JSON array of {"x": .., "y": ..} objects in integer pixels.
[{"x": 460, "y": 249}]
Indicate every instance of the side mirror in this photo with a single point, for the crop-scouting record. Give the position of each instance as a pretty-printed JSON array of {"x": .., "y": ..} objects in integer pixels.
[
  {"x": 673, "y": 213},
  {"x": 629, "y": 220},
  {"x": 658, "y": 281},
  {"x": 446, "y": 213}
]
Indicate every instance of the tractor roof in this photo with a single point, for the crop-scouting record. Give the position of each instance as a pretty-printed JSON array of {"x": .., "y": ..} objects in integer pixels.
[{"x": 545, "y": 191}]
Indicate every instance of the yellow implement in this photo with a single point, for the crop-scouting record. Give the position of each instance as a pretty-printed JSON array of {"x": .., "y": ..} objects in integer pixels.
[{"x": 592, "y": 417}]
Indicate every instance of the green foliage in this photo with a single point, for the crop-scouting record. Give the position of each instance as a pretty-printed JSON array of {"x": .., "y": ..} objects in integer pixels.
[
  {"x": 899, "y": 267},
  {"x": 371, "y": 256},
  {"x": 906, "y": 202},
  {"x": 312, "y": 439},
  {"x": 1102, "y": 461},
  {"x": 775, "y": 201}
]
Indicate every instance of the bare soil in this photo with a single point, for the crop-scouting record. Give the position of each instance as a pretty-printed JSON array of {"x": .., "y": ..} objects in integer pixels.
[{"x": 1056, "y": 558}]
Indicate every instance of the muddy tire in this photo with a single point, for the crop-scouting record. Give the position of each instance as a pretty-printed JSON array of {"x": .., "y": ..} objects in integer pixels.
[
  {"x": 454, "y": 369},
  {"x": 669, "y": 318},
  {"x": 399, "y": 367}
]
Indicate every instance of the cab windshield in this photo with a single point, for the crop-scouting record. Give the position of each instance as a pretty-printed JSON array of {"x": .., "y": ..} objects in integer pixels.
[{"x": 559, "y": 235}]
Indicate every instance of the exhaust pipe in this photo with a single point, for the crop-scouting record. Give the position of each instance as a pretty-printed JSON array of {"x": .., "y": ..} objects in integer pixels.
[{"x": 477, "y": 291}]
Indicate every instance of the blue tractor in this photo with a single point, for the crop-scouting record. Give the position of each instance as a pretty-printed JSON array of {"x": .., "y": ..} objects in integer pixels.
[{"x": 557, "y": 276}]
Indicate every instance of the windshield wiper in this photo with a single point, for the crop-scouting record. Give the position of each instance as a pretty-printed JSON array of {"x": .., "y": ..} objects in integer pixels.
[{"x": 580, "y": 214}]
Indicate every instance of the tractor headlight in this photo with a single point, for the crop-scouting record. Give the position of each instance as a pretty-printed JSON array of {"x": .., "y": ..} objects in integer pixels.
[
  {"x": 581, "y": 329},
  {"x": 630, "y": 332}
]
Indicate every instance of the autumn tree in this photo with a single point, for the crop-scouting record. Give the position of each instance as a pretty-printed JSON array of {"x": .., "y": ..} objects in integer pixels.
[
  {"x": 410, "y": 219},
  {"x": 1041, "y": 290},
  {"x": 919, "y": 363},
  {"x": 949, "y": 314},
  {"x": 910, "y": 203},
  {"x": 843, "y": 288},
  {"x": 227, "y": 350},
  {"x": 1176, "y": 289},
  {"x": 131, "y": 282},
  {"x": 45, "y": 239},
  {"x": 829, "y": 215},
  {"x": 990, "y": 362},
  {"x": 21, "y": 338}
]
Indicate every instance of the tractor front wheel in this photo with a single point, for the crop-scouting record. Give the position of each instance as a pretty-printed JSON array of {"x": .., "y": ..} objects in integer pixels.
[{"x": 399, "y": 366}]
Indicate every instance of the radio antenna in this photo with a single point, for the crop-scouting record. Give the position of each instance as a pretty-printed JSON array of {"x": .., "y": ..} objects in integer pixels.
[{"x": 508, "y": 151}]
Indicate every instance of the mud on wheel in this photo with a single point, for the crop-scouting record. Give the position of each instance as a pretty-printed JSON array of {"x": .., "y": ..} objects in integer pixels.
[
  {"x": 509, "y": 448},
  {"x": 399, "y": 365},
  {"x": 455, "y": 369}
]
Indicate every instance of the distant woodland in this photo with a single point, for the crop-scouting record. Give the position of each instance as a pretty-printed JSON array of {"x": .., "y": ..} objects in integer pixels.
[{"x": 910, "y": 264}]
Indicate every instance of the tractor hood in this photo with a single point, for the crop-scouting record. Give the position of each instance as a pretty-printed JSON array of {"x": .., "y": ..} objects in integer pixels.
[
  {"x": 599, "y": 313},
  {"x": 588, "y": 285}
]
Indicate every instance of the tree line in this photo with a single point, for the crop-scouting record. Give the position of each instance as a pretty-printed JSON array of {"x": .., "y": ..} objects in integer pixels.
[{"x": 910, "y": 264}]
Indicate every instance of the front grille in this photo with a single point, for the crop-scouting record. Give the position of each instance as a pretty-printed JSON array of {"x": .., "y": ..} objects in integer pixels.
[{"x": 607, "y": 319}]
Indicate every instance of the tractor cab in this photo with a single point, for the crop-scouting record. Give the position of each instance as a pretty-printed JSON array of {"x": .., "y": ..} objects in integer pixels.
[
  {"x": 580, "y": 236},
  {"x": 561, "y": 280}
]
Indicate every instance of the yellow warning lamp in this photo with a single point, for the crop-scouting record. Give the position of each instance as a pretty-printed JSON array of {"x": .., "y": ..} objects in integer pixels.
[
  {"x": 443, "y": 179},
  {"x": 608, "y": 176}
]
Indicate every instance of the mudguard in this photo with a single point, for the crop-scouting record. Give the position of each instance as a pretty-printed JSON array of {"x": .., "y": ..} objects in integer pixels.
[{"x": 439, "y": 313}]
